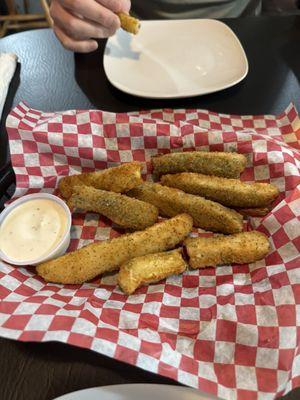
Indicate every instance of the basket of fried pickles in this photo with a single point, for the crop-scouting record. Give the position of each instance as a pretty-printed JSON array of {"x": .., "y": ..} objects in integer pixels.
[{"x": 191, "y": 189}]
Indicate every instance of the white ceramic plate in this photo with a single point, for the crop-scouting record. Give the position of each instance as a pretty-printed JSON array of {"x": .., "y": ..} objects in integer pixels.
[
  {"x": 175, "y": 58},
  {"x": 137, "y": 392}
]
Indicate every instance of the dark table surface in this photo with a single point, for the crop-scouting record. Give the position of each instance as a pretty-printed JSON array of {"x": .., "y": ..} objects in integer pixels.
[{"x": 51, "y": 79}]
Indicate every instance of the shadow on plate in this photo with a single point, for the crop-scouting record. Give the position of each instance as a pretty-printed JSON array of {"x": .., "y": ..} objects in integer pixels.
[{"x": 123, "y": 48}]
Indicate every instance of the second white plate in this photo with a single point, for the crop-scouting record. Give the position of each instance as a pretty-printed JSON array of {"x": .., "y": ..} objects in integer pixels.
[{"x": 175, "y": 58}]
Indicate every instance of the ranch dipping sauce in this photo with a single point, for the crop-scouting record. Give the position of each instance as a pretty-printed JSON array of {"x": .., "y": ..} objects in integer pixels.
[{"x": 33, "y": 229}]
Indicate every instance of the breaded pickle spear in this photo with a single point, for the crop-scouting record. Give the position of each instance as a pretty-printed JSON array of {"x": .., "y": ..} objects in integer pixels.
[
  {"x": 116, "y": 179},
  {"x": 94, "y": 259},
  {"x": 253, "y": 212},
  {"x": 228, "y": 165},
  {"x": 241, "y": 248},
  {"x": 206, "y": 214},
  {"x": 123, "y": 210},
  {"x": 229, "y": 192},
  {"x": 129, "y": 23},
  {"x": 150, "y": 268}
]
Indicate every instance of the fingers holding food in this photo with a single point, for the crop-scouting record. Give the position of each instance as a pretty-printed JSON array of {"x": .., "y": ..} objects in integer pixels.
[
  {"x": 241, "y": 248},
  {"x": 229, "y": 192},
  {"x": 116, "y": 179},
  {"x": 80, "y": 46},
  {"x": 206, "y": 214},
  {"x": 123, "y": 210},
  {"x": 92, "y": 260},
  {"x": 228, "y": 165},
  {"x": 149, "y": 269},
  {"x": 77, "y": 24}
]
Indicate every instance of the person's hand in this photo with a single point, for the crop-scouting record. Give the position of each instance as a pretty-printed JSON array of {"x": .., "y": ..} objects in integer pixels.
[{"x": 77, "y": 23}]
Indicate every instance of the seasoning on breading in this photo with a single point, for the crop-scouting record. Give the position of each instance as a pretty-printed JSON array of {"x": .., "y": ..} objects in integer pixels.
[
  {"x": 86, "y": 263},
  {"x": 229, "y": 192},
  {"x": 228, "y": 165},
  {"x": 149, "y": 269},
  {"x": 206, "y": 214},
  {"x": 125, "y": 211},
  {"x": 117, "y": 179},
  {"x": 241, "y": 248}
]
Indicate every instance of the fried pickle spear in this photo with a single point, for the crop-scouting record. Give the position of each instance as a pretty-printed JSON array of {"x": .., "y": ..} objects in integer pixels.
[
  {"x": 123, "y": 210},
  {"x": 241, "y": 248},
  {"x": 117, "y": 179},
  {"x": 86, "y": 263},
  {"x": 229, "y": 192},
  {"x": 206, "y": 214},
  {"x": 228, "y": 165},
  {"x": 129, "y": 23},
  {"x": 149, "y": 269},
  {"x": 253, "y": 212}
]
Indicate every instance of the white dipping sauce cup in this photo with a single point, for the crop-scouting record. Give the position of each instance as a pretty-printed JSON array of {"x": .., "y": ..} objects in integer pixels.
[{"x": 62, "y": 245}]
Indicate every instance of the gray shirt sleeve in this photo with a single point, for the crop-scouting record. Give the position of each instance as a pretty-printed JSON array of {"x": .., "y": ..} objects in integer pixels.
[{"x": 181, "y": 9}]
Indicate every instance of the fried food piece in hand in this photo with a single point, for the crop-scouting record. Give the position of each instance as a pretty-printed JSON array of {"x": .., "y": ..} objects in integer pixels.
[
  {"x": 123, "y": 210},
  {"x": 149, "y": 269},
  {"x": 228, "y": 165},
  {"x": 241, "y": 248},
  {"x": 253, "y": 212},
  {"x": 94, "y": 259},
  {"x": 116, "y": 179},
  {"x": 206, "y": 214},
  {"x": 229, "y": 192},
  {"x": 129, "y": 23}
]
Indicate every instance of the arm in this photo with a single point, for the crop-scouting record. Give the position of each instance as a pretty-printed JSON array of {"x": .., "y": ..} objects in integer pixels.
[{"x": 77, "y": 23}]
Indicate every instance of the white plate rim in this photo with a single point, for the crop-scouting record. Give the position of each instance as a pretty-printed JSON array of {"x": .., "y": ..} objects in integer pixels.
[
  {"x": 183, "y": 389},
  {"x": 143, "y": 94}
]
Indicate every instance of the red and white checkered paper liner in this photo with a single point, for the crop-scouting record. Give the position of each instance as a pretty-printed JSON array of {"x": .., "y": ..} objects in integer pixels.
[{"x": 231, "y": 331}]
